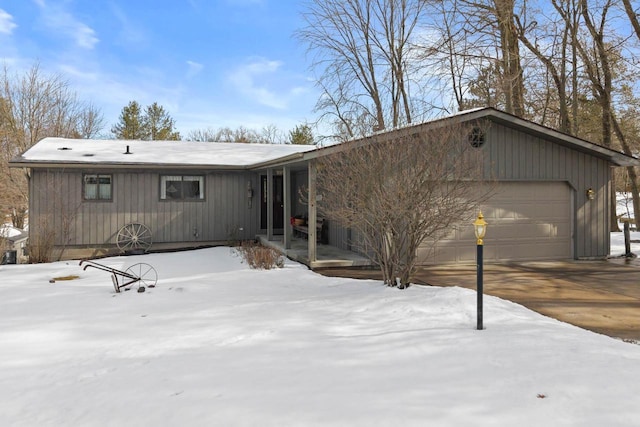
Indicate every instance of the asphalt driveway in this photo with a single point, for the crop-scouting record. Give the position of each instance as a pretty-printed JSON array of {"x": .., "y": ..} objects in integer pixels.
[{"x": 602, "y": 296}]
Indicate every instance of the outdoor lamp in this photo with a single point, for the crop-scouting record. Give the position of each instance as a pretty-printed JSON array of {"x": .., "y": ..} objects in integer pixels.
[
  {"x": 480, "y": 227},
  {"x": 591, "y": 194},
  {"x": 249, "y": 194}
]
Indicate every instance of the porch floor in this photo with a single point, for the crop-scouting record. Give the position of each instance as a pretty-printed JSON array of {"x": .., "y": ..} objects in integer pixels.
[{"x": 327, "y": 255}]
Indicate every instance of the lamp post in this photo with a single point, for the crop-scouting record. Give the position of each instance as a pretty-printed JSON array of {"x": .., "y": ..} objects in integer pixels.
[{"x": 480, "y": 227}]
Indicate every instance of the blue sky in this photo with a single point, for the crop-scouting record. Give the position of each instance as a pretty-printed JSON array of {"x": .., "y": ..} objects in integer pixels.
[{"x": 210, "y": 63}]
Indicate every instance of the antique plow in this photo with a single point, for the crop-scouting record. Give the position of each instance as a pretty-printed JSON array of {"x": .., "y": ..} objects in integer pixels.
[{"x": 143, "y": 275}]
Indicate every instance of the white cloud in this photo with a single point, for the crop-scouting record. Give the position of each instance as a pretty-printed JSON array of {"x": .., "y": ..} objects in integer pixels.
[
  {"x": 194, "y": 68},
  {"x": 131, "y": 33},
  {"x": 250, "y": 80},
  {"x": 6, "y": 22},
  {"x": 59, "y": 19}
]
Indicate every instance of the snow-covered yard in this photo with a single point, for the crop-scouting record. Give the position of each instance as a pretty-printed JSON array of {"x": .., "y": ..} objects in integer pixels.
[{"x": 218, "y": 344}]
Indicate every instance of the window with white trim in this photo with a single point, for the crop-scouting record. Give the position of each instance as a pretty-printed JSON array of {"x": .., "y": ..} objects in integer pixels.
[
  {"x": 182, "y": 187},
  {"x": 96, "y": 186}
]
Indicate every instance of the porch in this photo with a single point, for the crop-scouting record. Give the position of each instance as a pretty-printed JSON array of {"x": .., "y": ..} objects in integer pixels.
[{"x": 327, "y": 256}]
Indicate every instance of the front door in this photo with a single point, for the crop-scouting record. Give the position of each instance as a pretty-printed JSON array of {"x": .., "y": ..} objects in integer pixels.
[{"x": 278, "y": 203}]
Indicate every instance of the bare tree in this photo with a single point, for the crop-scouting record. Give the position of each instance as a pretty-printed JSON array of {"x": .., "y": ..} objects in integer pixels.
[
  {"x": 269, "y": 134},
  {"x": 549, "y": 43},
  {"x": 397, "y": 193},
  {"x": 363, "y": 53},
  {"x": 34, "y": 106}
]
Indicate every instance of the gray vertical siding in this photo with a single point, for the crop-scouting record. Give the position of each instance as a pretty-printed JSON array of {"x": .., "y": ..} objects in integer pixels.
[
  {"x": 513, "y": 155},
  {"x": 136, "y": 198},
  {"x": 510, "y": 155}
]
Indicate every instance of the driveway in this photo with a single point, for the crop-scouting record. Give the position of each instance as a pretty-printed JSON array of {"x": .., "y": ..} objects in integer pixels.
[{"x": 602, "y": 296}]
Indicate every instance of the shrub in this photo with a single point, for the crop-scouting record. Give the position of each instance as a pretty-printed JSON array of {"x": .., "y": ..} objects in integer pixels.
[
  {"x": 260, "y": 257},
  {"x": 41, "y": 244}
]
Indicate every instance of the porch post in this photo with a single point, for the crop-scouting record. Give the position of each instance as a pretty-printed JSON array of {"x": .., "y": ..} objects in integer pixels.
[
  {"x": 286, "y": 185},
  {"x": 312, "y": 220},
  {"x": 269, "y": 204}
]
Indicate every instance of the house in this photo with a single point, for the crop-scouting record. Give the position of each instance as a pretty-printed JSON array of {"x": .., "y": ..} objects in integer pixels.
[
  {"x": 551, "y": 200},
  {"x": 15, "y": 244}
]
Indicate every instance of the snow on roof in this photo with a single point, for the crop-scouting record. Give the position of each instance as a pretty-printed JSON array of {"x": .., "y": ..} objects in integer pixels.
[
  {"x": 90, "y": 151},
  {"x": 10, "y": 232}
]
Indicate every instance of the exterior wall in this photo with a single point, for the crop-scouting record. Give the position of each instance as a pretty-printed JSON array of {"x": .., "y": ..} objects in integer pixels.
[
  {"x": 56, "y": 199},
  {"x": 513, "y": 155}
]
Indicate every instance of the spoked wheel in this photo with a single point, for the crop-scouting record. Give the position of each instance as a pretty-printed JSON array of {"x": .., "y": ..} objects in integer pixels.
[
  {"x": 147, "y": 275},
  {"x": 134, "y": 236}
]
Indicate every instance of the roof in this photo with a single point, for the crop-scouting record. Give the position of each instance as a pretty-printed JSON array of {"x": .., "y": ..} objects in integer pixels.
[
  {"x": 64, "y": 152},
  {"x": 614, "y": 157},
  {"x": 13, "y": 234}
]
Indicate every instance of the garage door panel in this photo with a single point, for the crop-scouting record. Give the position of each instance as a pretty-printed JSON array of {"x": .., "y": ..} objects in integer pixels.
[
  {"x": 533, "y": 251},
  {"x": 527, "y": 221}
]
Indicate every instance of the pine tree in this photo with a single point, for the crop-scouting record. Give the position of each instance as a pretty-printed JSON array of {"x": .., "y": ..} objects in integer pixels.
[
  {"x": 152, "y": 124},
  {"x": 131, "y": 123},
  {"x": 159, "y": 124},
  {"x": 301, "y": 135}
]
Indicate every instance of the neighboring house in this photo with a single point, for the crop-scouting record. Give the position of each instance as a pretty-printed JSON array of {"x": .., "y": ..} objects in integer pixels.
[
  {"x": 15, "y": 240},
  {"x": 551, "y": 200}
]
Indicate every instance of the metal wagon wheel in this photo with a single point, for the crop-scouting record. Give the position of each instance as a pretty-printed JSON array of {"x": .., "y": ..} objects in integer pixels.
[
  {"x": 146, "y": 274},
  {"x": 134, "y": 236}
]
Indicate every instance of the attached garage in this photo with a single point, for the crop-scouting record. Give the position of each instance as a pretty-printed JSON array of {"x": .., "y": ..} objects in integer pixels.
[
  {"x": 528, "y": 221},
  {"x": 551, "y": 199}
]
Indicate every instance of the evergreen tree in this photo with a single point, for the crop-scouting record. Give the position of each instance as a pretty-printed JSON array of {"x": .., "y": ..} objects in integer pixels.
[
  {"x": 152, "y": 124},
  {"x": 131, "y": 123},
  {"x": 159, "y": 124},
  {"x": 301, "y": 135}
]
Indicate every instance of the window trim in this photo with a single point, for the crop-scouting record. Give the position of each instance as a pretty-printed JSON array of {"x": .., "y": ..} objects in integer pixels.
[
  {"x": 97, "y": 198},
  {"x": 191, "y": 177}
]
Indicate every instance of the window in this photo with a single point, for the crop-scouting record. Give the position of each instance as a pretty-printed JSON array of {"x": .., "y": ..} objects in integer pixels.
[
  {"x": 476, "y": 138},
  {"x": 97, "y": 187},
  {"x": 181, "y": 187}
]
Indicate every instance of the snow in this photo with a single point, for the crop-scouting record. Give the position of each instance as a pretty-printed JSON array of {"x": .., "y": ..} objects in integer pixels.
[
  {"x": 9, "y": 231},
  {"x": 216, "y": 343},
  {"x": 62, "y": 150}
]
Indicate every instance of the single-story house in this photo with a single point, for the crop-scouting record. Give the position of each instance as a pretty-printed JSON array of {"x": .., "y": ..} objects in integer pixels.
[
  {"x": 15, "y": 247},
  {"x": 551, "y": 200}
]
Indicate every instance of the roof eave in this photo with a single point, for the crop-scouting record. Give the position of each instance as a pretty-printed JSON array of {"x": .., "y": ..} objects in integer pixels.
[
  {"x": 282, "y": 161},
  {"x": 24, "y": 163}
]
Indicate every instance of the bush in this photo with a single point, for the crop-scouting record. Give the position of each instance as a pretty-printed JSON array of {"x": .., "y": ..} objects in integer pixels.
[
  {"x": 41, "y": 245},
  {"x": 260, "y": 257}
]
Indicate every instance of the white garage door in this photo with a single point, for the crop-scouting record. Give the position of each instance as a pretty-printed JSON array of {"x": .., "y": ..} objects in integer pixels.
[{"x": 527, "y": 221}]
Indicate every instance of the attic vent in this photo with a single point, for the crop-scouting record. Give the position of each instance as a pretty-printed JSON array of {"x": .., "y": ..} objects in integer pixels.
[
  {"x": 477, "y": 138},
  {"x": 64, "y": 148},
  {"x": 127, "y": 152}
]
